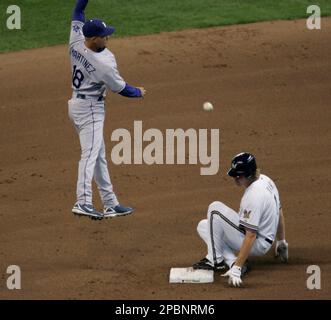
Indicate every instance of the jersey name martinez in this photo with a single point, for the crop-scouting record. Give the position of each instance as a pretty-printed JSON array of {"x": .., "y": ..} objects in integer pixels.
[{"x": 82, "y": 60}]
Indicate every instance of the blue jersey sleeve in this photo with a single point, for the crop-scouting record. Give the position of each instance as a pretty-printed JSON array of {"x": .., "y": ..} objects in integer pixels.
[
  {"x": 130, "y": 92},
  {"x": 78, "y": 14}
]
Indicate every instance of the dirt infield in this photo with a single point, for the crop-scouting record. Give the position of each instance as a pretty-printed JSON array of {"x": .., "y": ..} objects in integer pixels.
[{"x": 270, "y": 84}]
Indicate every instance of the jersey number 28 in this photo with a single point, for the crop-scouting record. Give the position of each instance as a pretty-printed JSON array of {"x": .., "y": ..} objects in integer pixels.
[{"x": 77, "y": 77}]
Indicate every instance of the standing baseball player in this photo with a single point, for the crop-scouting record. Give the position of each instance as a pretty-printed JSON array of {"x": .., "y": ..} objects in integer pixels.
[
  {"x": 252, "y": 231},
  {"x": 94, "y": 71}
]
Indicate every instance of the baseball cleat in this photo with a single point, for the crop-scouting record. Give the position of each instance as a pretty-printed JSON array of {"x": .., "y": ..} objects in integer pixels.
[
  {"x": 86, "y": 210},
  {"x": 281, "y": 251},
  {"x": 118, "y": 211},
  {"x": 205, "y": 264}
]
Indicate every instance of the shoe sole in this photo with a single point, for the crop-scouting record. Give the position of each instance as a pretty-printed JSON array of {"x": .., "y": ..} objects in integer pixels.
[
  {"x": 220, "y": 269},
  {"x": 210, "y": 268},
  {"x": 203, "y": 268},
  {"x": 80, "y": 213},
  {"x": 114, "y": 215}
]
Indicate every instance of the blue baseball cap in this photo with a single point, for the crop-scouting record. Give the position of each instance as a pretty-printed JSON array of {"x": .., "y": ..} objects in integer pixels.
[{"x": 97, "y": 28}]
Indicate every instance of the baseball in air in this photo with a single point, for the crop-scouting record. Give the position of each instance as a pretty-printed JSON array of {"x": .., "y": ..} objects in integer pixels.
[{"x": 207, "y": 106}]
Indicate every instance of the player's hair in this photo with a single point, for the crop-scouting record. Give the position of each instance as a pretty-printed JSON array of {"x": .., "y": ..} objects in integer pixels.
[{"x": 254, "y": 175}]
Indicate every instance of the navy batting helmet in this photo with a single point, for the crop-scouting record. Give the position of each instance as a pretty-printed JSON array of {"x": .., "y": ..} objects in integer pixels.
[{"x": 243, "y": 164}]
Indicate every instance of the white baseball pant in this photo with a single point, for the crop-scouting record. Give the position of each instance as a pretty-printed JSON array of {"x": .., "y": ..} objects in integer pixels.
[{"x": 223, "y": 236}]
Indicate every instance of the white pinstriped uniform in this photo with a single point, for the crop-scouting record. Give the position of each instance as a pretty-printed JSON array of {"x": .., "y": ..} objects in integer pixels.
[{"x": 224, "y": 229}]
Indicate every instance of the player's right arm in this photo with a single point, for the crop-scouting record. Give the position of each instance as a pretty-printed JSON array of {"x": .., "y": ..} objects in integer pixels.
[
  {"x": 78, "y": 20},
  {"x": 79, "y": 14},
  {"x": 132, "y": 92}
]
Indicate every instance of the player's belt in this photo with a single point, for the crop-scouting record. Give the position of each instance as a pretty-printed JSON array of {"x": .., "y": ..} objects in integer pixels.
[
  {"x": 83, "y": 96},
  {"x": 268, "y": 240}
]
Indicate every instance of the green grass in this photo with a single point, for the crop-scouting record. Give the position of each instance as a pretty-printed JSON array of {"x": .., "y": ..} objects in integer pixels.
[{"x": 46, "y": 22}]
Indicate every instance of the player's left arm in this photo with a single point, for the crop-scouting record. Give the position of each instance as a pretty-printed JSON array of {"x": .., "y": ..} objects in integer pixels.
[
  {"x": 281, "y": 226},
  {"x": 132, "y": 92},
  {"x": 281, "y": 247},
  {"x": 245, "y": 248},
  {"x": 114, "y": 81}
]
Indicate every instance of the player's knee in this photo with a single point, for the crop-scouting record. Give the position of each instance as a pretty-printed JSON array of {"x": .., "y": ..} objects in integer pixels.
[
  {"x": 84, "y": 154},
  {"x": 90, "y": 154},
  {"x": 214, "y": 206},
  {"x": 202, "y": 226}
]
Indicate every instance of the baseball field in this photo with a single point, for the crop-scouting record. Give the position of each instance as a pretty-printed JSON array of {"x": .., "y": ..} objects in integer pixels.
[{"x": 269, "y": 80}]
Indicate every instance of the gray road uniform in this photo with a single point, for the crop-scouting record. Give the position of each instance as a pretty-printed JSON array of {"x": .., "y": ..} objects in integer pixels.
[{"x": 92, "y": 74}]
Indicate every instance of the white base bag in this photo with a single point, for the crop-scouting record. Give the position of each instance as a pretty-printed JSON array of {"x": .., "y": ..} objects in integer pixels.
[{"x": 190, "y": 275}]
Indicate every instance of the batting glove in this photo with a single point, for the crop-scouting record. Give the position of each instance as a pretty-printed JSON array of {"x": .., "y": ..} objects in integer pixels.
[
  {"x": 281, "y": 250},
  {"x": 234, "y": 275}
]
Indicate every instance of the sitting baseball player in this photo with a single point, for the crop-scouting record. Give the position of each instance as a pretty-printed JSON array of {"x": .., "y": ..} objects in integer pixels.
[{"x": 252, "y": 231}]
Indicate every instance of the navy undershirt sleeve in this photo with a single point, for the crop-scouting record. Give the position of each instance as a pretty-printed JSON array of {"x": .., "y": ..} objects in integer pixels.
[
  {"x": 78, "y": 14},
  {"x": 130, "y": 92}
]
